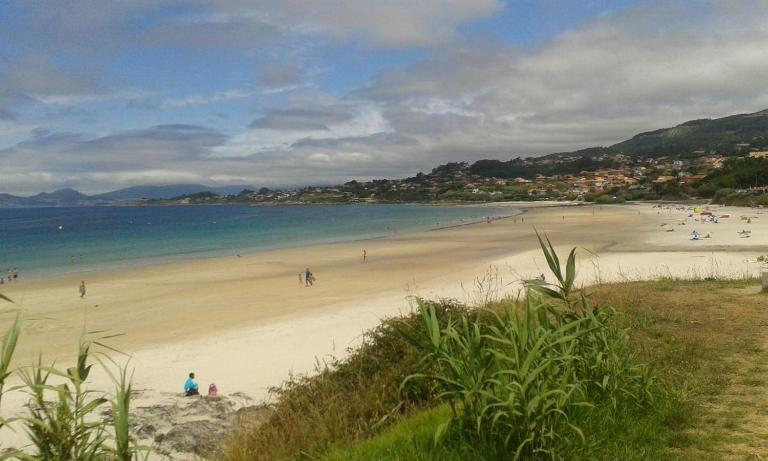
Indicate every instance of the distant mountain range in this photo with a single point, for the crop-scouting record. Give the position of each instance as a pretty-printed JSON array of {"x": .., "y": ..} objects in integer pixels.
[
  {"x": 159, "y": 192},
  {"x": 71, "y": 197}
]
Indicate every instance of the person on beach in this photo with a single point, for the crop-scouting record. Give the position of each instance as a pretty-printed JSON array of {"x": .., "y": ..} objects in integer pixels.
[
  {"x": 365, "y": 255},
  {"x": 82, "y": 289},
  {"x": 308, "y": 278},
  {"x": 301, "y": 282},
  {"x": 190, "y": 386},
  {"x": 213, "y": 391}
]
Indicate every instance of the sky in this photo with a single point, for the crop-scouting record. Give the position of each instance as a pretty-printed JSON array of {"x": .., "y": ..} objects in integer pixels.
[{"x": 103, "y": 94}]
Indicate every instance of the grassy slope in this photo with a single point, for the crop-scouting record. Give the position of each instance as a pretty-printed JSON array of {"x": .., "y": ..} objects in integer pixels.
[{"x": 707, "y": 340}]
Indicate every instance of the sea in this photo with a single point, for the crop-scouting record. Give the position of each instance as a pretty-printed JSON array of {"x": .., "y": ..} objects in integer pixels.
[{"x": 50, "y": 242}]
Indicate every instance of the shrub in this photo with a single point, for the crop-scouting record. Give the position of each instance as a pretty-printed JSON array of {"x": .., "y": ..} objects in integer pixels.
[{"x": 513, "y": 379}]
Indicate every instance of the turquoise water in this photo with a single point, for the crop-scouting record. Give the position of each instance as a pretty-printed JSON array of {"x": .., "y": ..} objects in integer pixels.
[{"x": 44, "y": 242}]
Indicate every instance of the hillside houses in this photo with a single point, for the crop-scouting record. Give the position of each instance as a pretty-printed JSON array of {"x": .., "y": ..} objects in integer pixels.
[{"x": 552, "y": 178}]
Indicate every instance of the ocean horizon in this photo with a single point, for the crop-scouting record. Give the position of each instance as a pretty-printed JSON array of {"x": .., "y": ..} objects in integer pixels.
[{"x": 50, "y": 242}]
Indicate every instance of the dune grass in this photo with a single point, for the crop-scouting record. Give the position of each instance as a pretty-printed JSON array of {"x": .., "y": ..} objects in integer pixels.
[
  {"x": 704, "y": 340},
  {"x": 623, "y": 436},
  {"x": 411, "y": 439},
  {"x": 518, "y": 381},
  {"x": 64, "y": 420},
  {"x": 345, "y": 401}
]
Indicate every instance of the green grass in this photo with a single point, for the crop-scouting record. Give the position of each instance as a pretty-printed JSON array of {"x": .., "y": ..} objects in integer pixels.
[
  {"x": 627, "y": 436},
  {"x": 410, "y": 439},
  {"x": 705, "y": 340},
  {"x": 346, "y": 401},
  {"x": 518, "y": 381}
]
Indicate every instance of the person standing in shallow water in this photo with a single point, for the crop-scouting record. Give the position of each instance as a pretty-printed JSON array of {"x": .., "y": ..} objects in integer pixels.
[{"x": 82, "y": 288}]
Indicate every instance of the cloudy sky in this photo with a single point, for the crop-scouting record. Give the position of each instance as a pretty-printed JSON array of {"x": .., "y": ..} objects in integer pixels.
[{"x": 103, "y": 94}]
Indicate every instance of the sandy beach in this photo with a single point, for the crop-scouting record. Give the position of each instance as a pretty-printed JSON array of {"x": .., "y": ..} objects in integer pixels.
[{"x": 245, "y": 322}]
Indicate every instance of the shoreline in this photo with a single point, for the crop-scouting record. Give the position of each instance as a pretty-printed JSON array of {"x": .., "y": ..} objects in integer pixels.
[
  {"x": 117, "y": 265},
  {"x": 216, "y": 262},
  {"x": 246, "y": 324},
  {"x": 170, "y": 271}
]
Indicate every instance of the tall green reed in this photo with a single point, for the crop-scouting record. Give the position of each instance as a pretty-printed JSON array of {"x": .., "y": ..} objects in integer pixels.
[
  {"x": 514, "y": 378},
  {"x": 64, "y": 420},
  {"x": 8, "y": 346}
]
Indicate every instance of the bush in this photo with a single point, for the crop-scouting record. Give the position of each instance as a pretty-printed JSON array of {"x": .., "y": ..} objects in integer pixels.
[
  {"x": 608, "y": 199},
  {"x": 721, "y": 194},
  {"x": 513, "y": 379}
]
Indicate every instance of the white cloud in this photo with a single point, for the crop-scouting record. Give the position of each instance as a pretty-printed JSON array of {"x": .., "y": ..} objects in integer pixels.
[
  {"x": 196, "y": 100},
  {"x": 140, "y": 177},
  {"x": 650, "y": 67},
  {"x": 390, "y": 23},
  {"x": 597, "y": 84},
  {"x": 325, "y": 122},
  {"x": 68, "y": 99}
]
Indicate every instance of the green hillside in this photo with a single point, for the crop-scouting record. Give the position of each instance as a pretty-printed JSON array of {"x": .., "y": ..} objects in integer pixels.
[{"x": 720, "y": 135}]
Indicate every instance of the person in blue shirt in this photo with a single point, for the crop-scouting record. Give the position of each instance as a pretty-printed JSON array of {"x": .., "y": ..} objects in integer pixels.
[{"x": 190, "y": 386}]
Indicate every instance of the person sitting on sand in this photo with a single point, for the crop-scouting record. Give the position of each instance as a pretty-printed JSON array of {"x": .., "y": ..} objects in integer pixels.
[
  {"x": 213, "y": 391},
  {"x": 190, "y": 386}
]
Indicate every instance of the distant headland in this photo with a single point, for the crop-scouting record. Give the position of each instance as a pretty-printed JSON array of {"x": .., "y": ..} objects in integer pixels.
[{"x": 725, "y": 160}]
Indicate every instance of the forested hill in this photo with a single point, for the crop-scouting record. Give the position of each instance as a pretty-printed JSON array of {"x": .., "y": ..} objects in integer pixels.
[
  {"x": 722, "y": 135},
  {"x": 736, "y": 134},
  {"x": 725, "y": 135}
]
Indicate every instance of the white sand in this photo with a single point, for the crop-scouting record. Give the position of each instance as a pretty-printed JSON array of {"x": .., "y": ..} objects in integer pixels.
[{"x": 245, "y": 323}]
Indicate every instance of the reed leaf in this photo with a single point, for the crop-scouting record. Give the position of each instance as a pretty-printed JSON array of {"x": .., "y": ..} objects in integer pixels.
[{"x": 513, "y": 378}]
